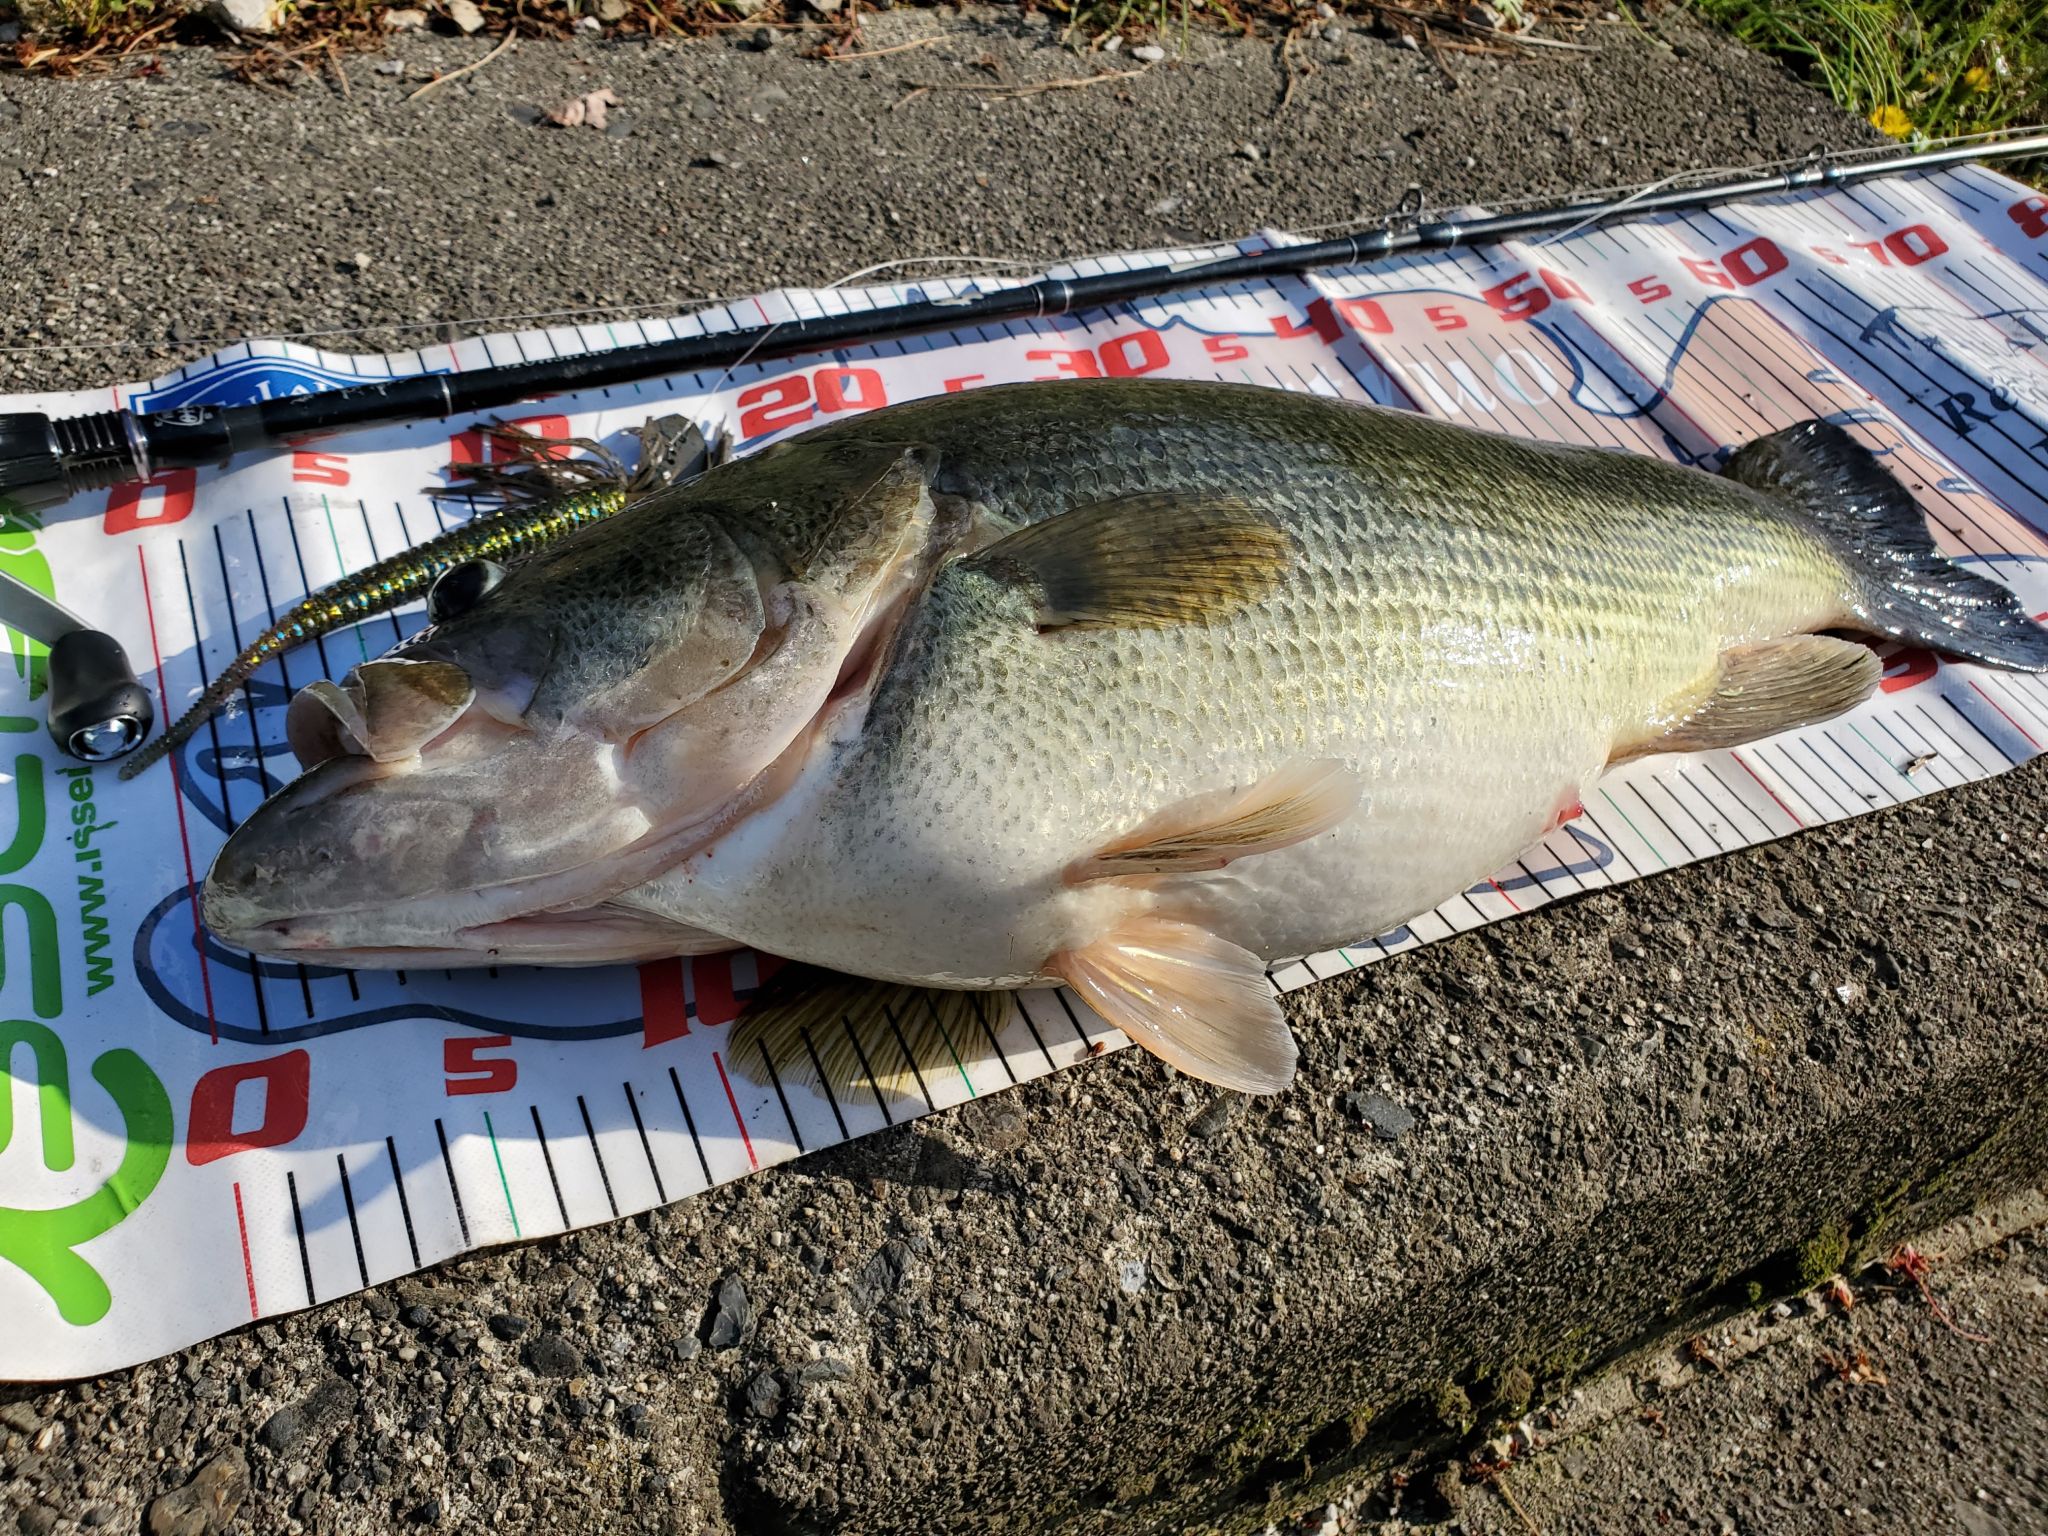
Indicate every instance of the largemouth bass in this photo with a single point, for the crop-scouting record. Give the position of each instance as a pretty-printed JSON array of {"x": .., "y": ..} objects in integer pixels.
[{"x": 1129, "y": 685}]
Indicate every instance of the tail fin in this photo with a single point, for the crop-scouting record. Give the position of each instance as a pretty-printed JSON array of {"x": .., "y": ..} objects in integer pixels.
[{"x": 1906, "y": 587}]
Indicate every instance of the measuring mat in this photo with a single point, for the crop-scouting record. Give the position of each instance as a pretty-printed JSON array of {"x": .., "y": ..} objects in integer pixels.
[{"x": 191, "y": 1139}]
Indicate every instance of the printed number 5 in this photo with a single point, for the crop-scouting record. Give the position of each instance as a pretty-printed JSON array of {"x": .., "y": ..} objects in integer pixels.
[{"x": 469, "y": 1072}]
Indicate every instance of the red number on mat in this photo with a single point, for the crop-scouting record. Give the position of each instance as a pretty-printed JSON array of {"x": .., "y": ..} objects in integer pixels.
[
  {"x": 130, "y": 508},
  {"x": 1750, "y": 264},
  {"x": 469, "y": 1072},
  {"x": 210, "y": 1125}
]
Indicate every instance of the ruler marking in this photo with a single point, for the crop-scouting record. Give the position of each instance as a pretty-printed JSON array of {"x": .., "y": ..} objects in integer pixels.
[
  {"x": 1973, "y": 725},
  {"x": 831, "y": 1098},
  {"x": 690, "y": 1120},
  {"x": 548, "y": 1158},
  {"x": 775, "y": 1080},
  {"x": 1868, "y": 802},
  {"x": 646, "y": 1146},
  {"x": 908, "y": 1060},
  {"x": 874, "y": 1083},
  {"x": 404, "y": 1205},
  {"x": 1961, "y": 751},
  {"x": 504, "y": 1183},
  {"x": 1986, "y": 694},
  {"x": 602, "y": 1173},
  {"x": 355, "y": 1231},
  {"x": 454, "y": 1189},
  {"x": 291, "y": 1186},
  {"x": 947, "y": 1035},
  {"x": 248, "y": 1267}
]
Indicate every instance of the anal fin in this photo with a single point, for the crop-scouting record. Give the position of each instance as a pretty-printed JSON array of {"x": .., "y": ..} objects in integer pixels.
[
  {"x": 861, "y": 1036},
  {"x": 1759, "y": 690},
  {"x": 1292, "y": 804},
  {"x": 1190, "y": 997}
]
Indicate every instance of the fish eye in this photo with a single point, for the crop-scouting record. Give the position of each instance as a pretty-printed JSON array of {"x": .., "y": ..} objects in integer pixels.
[{"x": 460, "y": 588}]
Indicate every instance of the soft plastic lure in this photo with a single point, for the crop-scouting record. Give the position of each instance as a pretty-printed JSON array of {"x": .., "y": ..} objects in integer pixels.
[{"x": 543, "y": 497}]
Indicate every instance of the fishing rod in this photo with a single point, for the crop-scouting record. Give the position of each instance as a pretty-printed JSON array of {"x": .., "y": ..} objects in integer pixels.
[{"x": 45, "y": 460}]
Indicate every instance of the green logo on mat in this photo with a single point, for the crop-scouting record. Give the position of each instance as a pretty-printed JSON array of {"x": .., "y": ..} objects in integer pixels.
[{"x": 45, "y": 1243}]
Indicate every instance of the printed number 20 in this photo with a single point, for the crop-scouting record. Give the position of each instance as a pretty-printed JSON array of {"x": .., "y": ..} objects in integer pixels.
[{"x": 796, "y": 398}]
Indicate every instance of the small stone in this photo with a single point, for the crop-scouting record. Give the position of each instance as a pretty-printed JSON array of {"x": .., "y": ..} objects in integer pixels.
[
  {"x": 823, "y": 7},
  {"x": 1886, "y": 965},
  {"x": 1130, "y": 1276},
  {"x": 817, "y": 1372},
  {"x": 10, "y": 31},
  {"x": 506, "y": 1326},
  {"x": 1112, "y": 43},
  {"x": 282, "y": 1429},
  {"x": 1483, "y": 16},
  {"x": 93, "y": 1516},
  {"x": 552, "y": 1355},
  {"x": 1407, "y": 41},
  {"x": 765, "y": 1394},
  {"x": 358, "y": 263},
  {"x": 204, "y": 1506},
  {"x": 883, "y": 1274},
  {"x": 467, "y": 18},
  {"x": 1851, "y": 993},
  {"x": 1388, "y": 1120},
  {"x": 255, "y": 17},
  {"x": 1148, "y": 53},
  {"x": 427, "y": 1512},
  {"x": 611, "y": 10},
  {"x": 404, "y": 20},
  {"x": 20, "y": 1418},
  {"x": 1223, "y": 1109},
  {"x": 732, "y": 1315},
  {"x": 762, "y": 40},
  {"x": 38, "y": 1520},
  {"x": 1249, "y": 152},
  {"x": 1164, "y": 207}
]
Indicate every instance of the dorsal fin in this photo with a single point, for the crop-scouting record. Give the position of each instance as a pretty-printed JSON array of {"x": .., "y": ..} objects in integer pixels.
[{"x": 1151, "y": 559}]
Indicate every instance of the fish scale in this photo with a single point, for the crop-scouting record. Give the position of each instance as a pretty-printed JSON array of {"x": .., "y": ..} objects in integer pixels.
[{"x": 1470, "y": 622}]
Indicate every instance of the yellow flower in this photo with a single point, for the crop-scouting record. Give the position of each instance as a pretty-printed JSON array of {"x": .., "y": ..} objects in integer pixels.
[
  {"x": 1890, "y": 120},
  {"x": 1977, "y": 79}
]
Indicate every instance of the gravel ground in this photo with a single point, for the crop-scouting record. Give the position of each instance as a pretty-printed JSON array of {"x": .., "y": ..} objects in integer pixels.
[{"x": 1619, "y": 1108}]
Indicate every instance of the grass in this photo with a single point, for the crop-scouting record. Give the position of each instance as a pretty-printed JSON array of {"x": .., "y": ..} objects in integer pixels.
[{"x": 1916, "y": 69}]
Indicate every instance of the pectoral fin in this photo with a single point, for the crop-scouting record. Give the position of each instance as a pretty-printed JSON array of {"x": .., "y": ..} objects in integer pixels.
[
  {"x": 1147, "y": 560},
  {"x": 1759, "y": 690},
  {"x": 1196, "y": 1001},
  {"x": 1299, "y": 801}
]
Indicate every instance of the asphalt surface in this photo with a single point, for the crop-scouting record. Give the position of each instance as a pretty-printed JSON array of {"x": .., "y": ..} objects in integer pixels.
[{"x": 1616, "y": 1105}]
